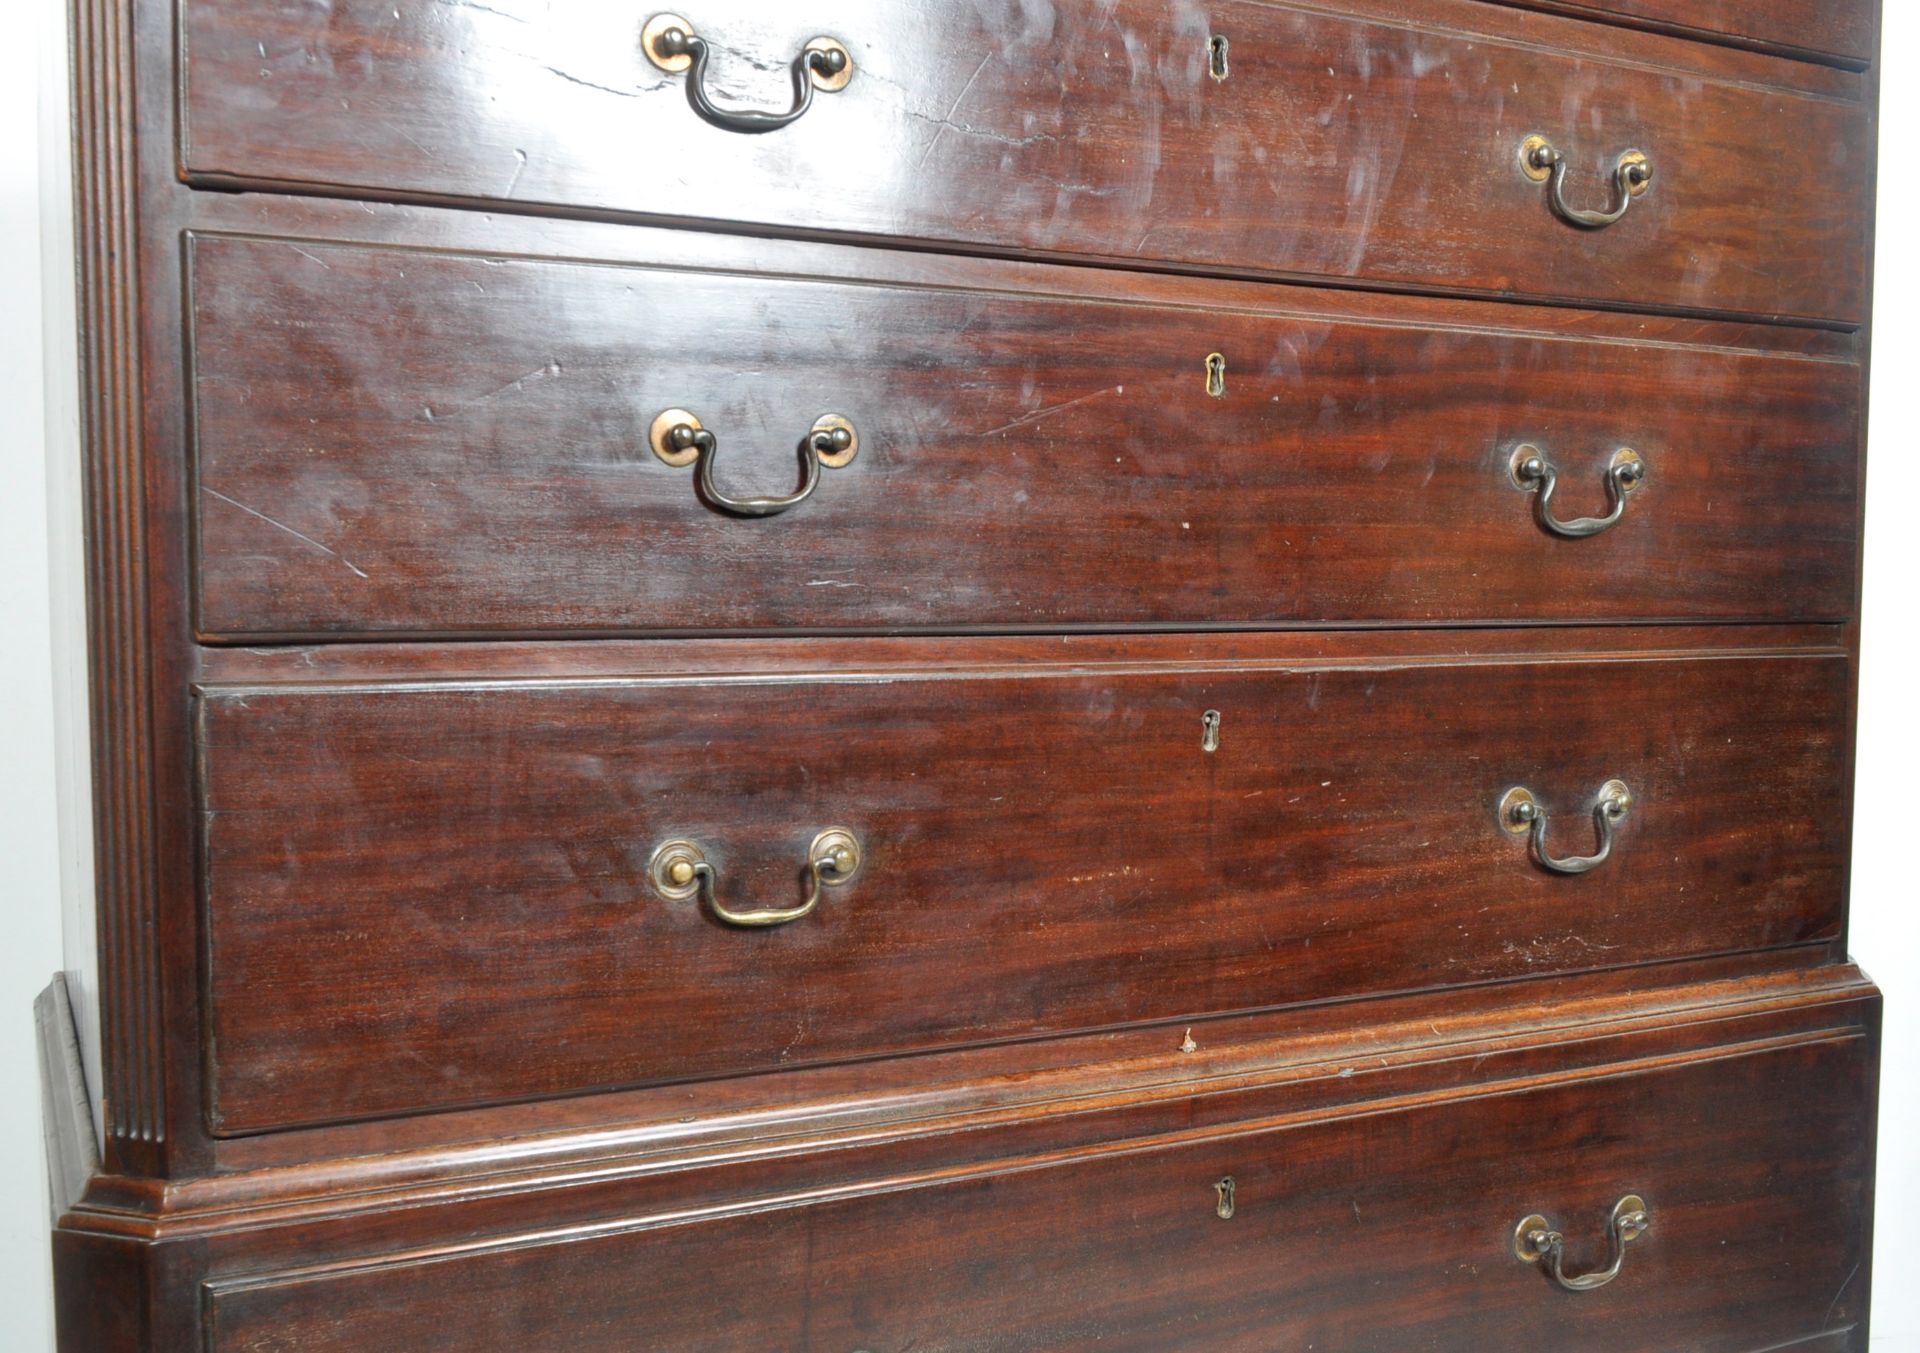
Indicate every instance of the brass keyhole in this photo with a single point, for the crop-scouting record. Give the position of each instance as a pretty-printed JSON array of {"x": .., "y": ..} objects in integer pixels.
[
  {"x": 1217, "y": 57},
  {"x": 1216, "y": 374},
  {"x": 1210, "y": 731},
  {"x": 1223, "y": 1191}
]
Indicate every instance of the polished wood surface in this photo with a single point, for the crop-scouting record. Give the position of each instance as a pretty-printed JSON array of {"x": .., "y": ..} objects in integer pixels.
[
  {"x": 134, "y": 641},
  {"x": 405, "y": 1153},
  {"x": 1143, "y": 1078},
  {"x": 880, "y": 658},
  {"x": 358, "y": 474},
  {"x": 1843, "y": 31},
  {"x": 1376, "y": 141},
  {"x": 455, "y": 877},
  {"x": 1387, "y": 1232},
  {"x": 625, "y": 1167}
]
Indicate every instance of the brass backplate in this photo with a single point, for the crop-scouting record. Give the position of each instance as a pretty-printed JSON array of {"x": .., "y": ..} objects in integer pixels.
[
  {"x": 1539, "y": 173},
  {"x": 1512, "y": 799},
  {"x": 650, "y": 39},
  {"x": 1625, "y": 1208},
  {"x": 832, "y": 842},
  {"x": 1637, "y": 186},
  {"x": 1523, "y": 1247},
  {"x": 1616, "y": 791},
  {"x": 1626, "y": 455},
  {"x": 1521, "y": 455},
  {"x": 663, "y": 427},
  {"x": 670, "y": 871},
  {"x": 833, "y": 422},
  {"x": 825, "y": 83}
]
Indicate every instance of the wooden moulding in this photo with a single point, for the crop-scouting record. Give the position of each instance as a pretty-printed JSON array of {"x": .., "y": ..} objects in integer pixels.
[
  {"x": 1830, "y": 32},
  {"x": 120, "y": 624},
  {"x": 839, "y": 1138}
]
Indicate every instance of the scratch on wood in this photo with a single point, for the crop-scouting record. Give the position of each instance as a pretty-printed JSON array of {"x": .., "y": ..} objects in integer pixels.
[
  {"x": 1037, "y": 414},
  {"x": 589, "y": 84},
  {"x": 1844, "y": 1284},
  {"x": 413, "y": 141},
  {"x": 297, "y": 535},
  {"x": 549, "y": 370},
  {"x": 947, "y": 121},
  {"x": 484, "y": 9}
]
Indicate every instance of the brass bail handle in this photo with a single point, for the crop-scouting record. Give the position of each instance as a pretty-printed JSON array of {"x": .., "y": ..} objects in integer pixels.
[
  {"x": 671, "y": 44},
  {"x": 678, "y": 438},
  {"x": 1532, "y": 471},
  {"x": 1521, "y": 814},
  {"x": 1543, "y": 163},
  {"x": 1536, "y": 1242},
  {"x": 680, "y": 870}
]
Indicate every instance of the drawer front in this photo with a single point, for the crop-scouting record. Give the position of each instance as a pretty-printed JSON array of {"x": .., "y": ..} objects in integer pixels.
[
  {"x": 1377, "y": 145},
  {"x": 1842, "y": 29},
  {"x": 1077, "y": 459},
  {"x": 425, "y": 896},
  {"x": 1370, "y": 1234}
]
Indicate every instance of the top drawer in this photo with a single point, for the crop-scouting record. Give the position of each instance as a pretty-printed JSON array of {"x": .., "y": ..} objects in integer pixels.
[{"x": 1250, "y": 137}]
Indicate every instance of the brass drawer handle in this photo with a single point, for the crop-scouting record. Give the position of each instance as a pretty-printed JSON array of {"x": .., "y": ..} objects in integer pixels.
[
  {"x": 679, "y": 439},
  {"x": 672, "y": 45},
  {"x": 1520, "y": 814},
  {"x": 1632, "y": 176},
  {"x": 680, "y": 869},
  {"x": 1533, "y": 471},
  {"x": 1536, "y": 1242}
]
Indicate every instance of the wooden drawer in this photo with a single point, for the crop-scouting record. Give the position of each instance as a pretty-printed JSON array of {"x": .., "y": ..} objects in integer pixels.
[
  {"x": 421, "y": 895},
  {"x": 1840, "y": 30},
  {"x": 1382, "y": 1231},
  {"x": 360, "y": 474},
  {"x": 1380, "y": 142}
]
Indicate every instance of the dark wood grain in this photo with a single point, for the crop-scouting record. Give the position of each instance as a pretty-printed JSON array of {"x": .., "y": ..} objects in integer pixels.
[
  {"x": 977, "y": 170},
  {"x": 103, "y": 1293},
  {"x": 921, "y": 1112},
  {"x": 884, "y": 657},
  {"x": 318, "y": 1214},
  {"x": 515, "y": 235},
  {"x": 1379, "y": 146},
  {"x": 128, "y": 663},
  {"x": 1840, "y": 30},
  {"x": 435, "y": 896},
  {"x": 1384, "y": 1232},
  {"x": 1026, "y": 462}
]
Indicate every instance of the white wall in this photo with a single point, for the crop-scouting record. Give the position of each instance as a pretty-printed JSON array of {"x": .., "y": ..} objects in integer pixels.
[
  {"x": 1884, "y": 929},
  {"x": 41, "y": 689},
  {"x": 39, "y": 524}
]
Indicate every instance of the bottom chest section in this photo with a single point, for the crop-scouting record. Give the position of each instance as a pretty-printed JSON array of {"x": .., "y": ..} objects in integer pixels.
[{"x": 1696, "y": 1180}]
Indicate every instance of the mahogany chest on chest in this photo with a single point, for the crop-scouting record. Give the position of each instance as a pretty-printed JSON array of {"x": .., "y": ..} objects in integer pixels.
[{"x": 977, "y": 674}]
